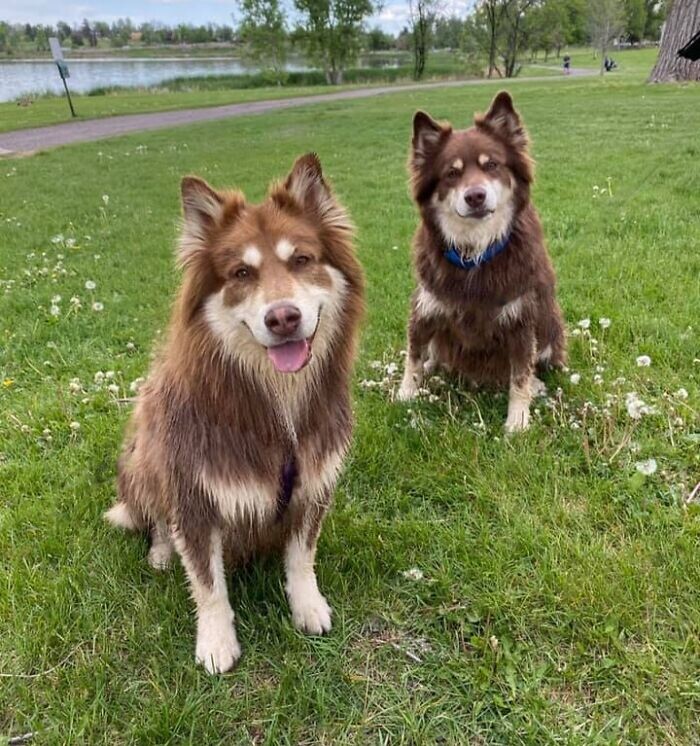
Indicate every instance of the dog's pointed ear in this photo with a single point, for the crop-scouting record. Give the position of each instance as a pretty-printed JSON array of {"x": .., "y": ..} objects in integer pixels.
[
  {"x": 308, "y": 189},
  {"x": 204, "y": 210},
  {"x": 503, "y": 120},
  {"x": 427, "y": 135}
]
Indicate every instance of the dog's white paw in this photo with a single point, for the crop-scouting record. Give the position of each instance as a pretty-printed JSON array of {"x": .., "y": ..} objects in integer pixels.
[
  {"x": 159, "y": 555},
  {"x": 407, "y": 391},
  {"x": 517, "y": 421},
  {"x": 217, "y": 645},
  {"x": 311, "y": 613}
]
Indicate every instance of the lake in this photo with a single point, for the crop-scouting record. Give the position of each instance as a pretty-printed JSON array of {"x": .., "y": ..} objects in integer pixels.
[{"x": 22, "y": 77}]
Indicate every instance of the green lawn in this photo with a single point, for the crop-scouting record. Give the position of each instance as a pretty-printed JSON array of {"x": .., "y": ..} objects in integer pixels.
[{"x": 559, "y": 600}]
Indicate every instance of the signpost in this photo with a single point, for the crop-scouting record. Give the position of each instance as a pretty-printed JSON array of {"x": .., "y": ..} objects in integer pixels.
[{"x": 57, "y": 53}]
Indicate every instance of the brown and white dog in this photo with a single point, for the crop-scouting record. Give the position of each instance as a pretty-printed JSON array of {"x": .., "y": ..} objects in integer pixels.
[
  {"x": 485, "y": 305},
  {"x": 241, "y": 429}
]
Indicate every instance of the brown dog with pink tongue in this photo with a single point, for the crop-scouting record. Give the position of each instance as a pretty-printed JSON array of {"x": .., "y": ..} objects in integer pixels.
[{"x": 240, "y": 432}]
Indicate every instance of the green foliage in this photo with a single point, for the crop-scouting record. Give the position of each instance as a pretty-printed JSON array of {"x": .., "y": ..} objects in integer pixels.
[
  {"x": 330, "y": 32},
  {"x": 264, "y": 33}
]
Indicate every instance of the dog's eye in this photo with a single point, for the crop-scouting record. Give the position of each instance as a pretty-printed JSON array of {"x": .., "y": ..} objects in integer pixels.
[
  {"x": 453, "y": 173},
  {"x": 301, "y": 260},
  {"x": 490, "y": 165},
  {"x": 242, "y": 273}
]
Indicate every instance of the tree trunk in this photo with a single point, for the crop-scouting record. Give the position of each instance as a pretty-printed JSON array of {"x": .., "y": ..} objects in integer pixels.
[{"x": 683, "y": 21}]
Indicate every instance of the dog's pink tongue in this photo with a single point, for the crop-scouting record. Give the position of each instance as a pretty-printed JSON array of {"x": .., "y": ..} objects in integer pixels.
[{"x": 290, "y": 356}]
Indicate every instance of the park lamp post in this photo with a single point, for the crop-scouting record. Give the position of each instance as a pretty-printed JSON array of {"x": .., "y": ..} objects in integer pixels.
[{"x": 57, "y": 53}]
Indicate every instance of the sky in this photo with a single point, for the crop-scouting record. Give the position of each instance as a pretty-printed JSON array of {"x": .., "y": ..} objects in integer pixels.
[{"x": 392, "y": 17}]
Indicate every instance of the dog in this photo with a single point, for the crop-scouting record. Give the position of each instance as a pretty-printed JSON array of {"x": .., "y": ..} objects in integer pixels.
[
  {"x": 240, "y": 431},
  {"x": 485, "y": 305}
]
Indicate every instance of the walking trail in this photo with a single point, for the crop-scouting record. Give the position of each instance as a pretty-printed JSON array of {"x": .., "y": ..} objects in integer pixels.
[{"x": 22, "y": 142}]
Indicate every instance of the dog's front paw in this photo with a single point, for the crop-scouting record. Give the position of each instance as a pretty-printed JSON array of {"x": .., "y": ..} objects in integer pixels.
[
  {"x": 311, "y": 614},
  {"x": 518, "y": 421},
  {"x": 217, "y": 645},
  {"x": 407, "y": 391}
]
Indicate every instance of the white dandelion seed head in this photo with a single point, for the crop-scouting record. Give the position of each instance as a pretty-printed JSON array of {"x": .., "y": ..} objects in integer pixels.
[
  {"x": 55, "y": 310},
  {"x": 74, "y": 426},
  {"x": 97, "y": 306},
  {"x": 575, "y": 378},
  {"x": 105, "y": 199},
  {"x": 113, "y": 388},
  {"x": 99, "y": 377},
  {"x": 413, "y": 574},
  {"x": 90, "y": 285},
  {"x": 643, "y": 361},
  {"x": 604, "y": 323},
  {"x": 681, "y": 393},
  {"x": 647, "y": 467},
  {"x": 585, "y": 323}
]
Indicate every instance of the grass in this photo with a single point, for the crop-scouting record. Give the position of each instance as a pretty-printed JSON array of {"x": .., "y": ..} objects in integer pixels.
[{"x": 559, "y": 597}]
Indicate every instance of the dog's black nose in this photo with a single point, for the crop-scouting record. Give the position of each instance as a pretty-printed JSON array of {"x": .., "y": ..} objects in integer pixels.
[
  {"x": 283, "y": 320},
  {"x": 475, "y": 197}
]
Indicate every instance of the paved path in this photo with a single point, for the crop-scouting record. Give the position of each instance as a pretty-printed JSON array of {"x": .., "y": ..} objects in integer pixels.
[{"x": 42, "y": 138}]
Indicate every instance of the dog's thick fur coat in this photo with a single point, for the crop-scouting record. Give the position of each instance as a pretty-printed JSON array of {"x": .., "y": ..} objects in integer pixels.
[
  {"x": 495, "y": 323},
  {"x": 227, "y": 455}
]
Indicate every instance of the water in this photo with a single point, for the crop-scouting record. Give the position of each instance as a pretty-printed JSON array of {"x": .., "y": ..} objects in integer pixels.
[{"x": 22, "y": 77}]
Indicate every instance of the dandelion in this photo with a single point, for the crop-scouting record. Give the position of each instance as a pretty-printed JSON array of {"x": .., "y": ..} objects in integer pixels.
[
  {"x": 74, "y": 386},
  {"x": 413, "y": 574},
  {"x": 70, "y": 242},
  {"x": 75, "y": 302},
  {"x": 90, "y": 285},
  {"x": 576, "y": 333},
  {"x": 391, "y": 369},
  {"x": 647, "y": 467},
  {"x": 113, "y": 388},
  {"x": 56, "y": 299},
  {"x": 8, "y": 382},
  {"x": 105, "y": 199},
  {"x": 58, "y": 238},
  {"x": 636, "y": 407},
  {"x": 604, "y": 323},
  {"x": 575, "y": 378},
  {"x": 46, "y": 432},
  {"x": 74, "y": 426},
  {"x": 99, "y": 377},
  {"x": 97, "y": 306},
  {"x": 134, "y": 386},
  {"x": 643, "y": 361},
  {"x": 55, "y": 310},
  {"x": 681, "y": 394},
  {"x": 109, "y": 375},
  {"x": 130, "y": 346},
  {"x": 600, "y": 369},
  {"x": 585, "y": 323},
  {"x": 598, "y": 379}
]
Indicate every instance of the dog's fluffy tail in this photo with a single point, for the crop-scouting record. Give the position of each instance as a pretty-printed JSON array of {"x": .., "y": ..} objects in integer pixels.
[{"x": 127, "y": 513}]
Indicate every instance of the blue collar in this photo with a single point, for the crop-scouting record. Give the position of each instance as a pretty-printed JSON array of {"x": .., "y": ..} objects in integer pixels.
[{"x": 493, "y": 250}]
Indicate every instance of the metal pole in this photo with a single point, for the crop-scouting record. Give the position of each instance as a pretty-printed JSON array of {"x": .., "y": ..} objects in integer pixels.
[{"x": 65, "y": 85}]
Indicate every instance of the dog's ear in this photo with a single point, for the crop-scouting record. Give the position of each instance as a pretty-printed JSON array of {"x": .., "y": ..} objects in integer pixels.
[
  {"x": 204, "y": 210},
  {"x": 427, "y": 135},
  {"x": 504, "y": 121},
  {"x": 308, "y": 189}
]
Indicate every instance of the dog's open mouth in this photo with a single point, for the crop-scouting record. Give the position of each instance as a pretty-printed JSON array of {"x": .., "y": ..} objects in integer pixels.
[{"x": 290, "y": 357}]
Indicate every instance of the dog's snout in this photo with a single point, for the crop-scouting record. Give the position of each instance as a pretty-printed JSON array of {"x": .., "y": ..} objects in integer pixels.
[
  {"x": 283, "y": 320},
  {"x": 475, "y": 197}
]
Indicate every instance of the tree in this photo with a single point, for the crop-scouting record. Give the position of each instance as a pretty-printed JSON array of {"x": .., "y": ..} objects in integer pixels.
[
  {"x": 682, "y": 23},
  {"x": 635, "y": 20},
  {"x": 606, "y": 21},
  {"x": 263, "y": 30},
  {"x": 493, "y": 12},
  {"x": 330, "y": 32},
  {"x": 379, "y": 41},
  {"x": 421, "y": 17},
  {"x": 514, "y": 12}
]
